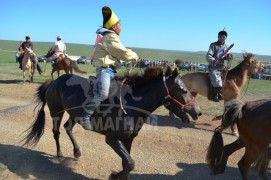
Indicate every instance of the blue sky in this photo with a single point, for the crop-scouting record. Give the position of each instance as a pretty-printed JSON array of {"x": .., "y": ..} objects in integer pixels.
[{"x": 189, "y": 25}]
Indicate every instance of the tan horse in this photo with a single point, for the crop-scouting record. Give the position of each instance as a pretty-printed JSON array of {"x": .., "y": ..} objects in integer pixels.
[
  {"x": 197, "y": 83},
  {"x": 63, "y": 63},
  {"x": 27, "y": 64}
]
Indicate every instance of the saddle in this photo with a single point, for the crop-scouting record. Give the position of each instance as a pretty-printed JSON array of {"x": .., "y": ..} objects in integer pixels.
[
  {"x": 92, "y": 81},
  {"x": 118, "y": 87},
  {"x": 57, "y": 60}
]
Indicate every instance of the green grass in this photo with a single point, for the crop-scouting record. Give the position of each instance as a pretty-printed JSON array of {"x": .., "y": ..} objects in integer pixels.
[{"x": 257, "y": 89}]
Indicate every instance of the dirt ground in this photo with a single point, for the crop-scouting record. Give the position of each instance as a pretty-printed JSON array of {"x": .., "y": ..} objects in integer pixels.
[{"x": 167, "y": 150}]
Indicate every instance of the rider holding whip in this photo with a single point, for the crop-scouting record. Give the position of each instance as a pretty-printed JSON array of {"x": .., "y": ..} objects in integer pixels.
[{"x": 217, "y": 53}]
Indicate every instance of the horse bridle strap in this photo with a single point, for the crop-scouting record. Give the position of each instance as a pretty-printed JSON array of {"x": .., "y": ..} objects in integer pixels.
[{"x": 173, "y": 99}]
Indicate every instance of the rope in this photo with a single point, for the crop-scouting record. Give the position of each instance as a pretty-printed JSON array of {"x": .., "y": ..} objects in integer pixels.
[
  {"x": 246, "y": 89},
  {"x": 121, "y": 105}
]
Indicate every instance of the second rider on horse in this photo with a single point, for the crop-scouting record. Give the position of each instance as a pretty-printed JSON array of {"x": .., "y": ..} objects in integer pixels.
[
  {"x": 59, "y": 49},
  {"x": 23, "y": 46},
  {"x": 216, "y": 65}
]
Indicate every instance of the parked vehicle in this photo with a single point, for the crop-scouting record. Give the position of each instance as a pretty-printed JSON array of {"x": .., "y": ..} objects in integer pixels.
[
  {"x": 84, "y": 60},
  {"x": 267, "y": 69},
  {"x": 202, "y": 67},
  {"x": 184, "y": 66},
  {"x": 42, "y": 59}
]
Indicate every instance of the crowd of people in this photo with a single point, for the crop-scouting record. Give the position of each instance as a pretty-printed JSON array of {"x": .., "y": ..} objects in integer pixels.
[{"x": 141, "y": 63}]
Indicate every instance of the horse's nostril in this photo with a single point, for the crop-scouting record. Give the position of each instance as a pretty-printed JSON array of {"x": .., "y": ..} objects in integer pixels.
[{"x": 200, "y": 114}]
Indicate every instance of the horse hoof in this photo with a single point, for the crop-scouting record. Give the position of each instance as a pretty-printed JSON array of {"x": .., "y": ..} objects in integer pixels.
[
  {"x": 113, "y": 176},
  {"x": 60, "y": 155},
  {"x": 77, "y": 154}
]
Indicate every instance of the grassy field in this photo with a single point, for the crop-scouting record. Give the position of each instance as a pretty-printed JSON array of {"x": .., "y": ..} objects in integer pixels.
[{"x": 257, "y": 89}]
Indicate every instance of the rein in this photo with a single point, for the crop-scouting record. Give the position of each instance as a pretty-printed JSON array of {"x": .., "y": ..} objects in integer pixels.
[
  {"x": 246, "y": 89},
  {"x": 121, "y": 105},
  {"x": 173, "y": 99},
  {"x": 227, "y": 70}
]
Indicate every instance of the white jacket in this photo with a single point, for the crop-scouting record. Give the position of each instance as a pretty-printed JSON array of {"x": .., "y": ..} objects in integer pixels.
[{"x": 59, "y": 47}]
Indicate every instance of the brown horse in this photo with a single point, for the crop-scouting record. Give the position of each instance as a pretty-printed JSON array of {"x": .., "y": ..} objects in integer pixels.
[
  {"x": 63, "y": 63},
  {"x": 253, "y": 119},
  {"x": 198, "y": 82},
  {"x": 27, "y": 64}
]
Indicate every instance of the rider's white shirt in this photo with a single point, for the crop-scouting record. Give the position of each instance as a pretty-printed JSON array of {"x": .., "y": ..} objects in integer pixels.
[{"x": 59, "y": 46}]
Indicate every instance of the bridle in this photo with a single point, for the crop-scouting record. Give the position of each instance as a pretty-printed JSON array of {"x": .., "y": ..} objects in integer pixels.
[{"x": 168, "y": 96}]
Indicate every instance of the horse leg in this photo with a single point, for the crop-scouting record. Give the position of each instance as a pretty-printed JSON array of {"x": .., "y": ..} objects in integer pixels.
[
  {"x": 66, "y": 70},
  {"x": 69, "y": 126},
  {"x": 24, "y": 76},
  {"x": 53, "y": 70},
  {"x": 234, "y": 130},
  {"x": 127, "y": 161},
  {"x": 33, "y": 72},
  {"x": 71, "y": 70},
  {"x": 250, "y": 156},
  {"x": 128, "y": 145},
  {"x": 227, "y": 151},
  {"x": 29, "y": 74},
  {"x": 56, "y": 132}
]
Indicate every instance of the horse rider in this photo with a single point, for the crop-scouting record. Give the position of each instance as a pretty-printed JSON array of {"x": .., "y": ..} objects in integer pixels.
[
  {"x": 59, "y": 49},
  {"x": 23, "y": 46},
  {"x": 108, "y": 51},
  {"x": 215, "y": 66}
]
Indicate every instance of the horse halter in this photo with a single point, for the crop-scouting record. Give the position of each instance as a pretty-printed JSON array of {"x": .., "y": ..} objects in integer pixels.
[{"x": 173, "y": 99}]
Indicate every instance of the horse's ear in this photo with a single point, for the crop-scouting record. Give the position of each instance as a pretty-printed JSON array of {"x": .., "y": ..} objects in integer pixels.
[
  {"x": 168, "y": 71},
  {"x": 175, "y": 72}
]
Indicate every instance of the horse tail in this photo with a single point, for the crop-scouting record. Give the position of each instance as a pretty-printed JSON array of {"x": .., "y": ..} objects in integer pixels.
[
  {"x": 37, "y": 128},
  {"x": 215, "y": 150},
  {"x": 76, "y": 68},
  {"x": 232, "y": 113}
]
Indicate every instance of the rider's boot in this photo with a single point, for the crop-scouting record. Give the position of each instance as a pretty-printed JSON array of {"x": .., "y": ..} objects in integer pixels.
[
  {"x": 218, "y": 95},
  {"x": 88, "y": 110},
  {"x": 20, "y": 59}
]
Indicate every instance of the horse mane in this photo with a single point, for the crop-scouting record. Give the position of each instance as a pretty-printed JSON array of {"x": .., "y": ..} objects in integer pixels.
[
  {"x": 138, "y": 80},
  {"x": 232, "y": 112}
]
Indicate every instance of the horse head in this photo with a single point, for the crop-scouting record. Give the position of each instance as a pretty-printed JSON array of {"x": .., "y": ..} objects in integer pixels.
[
  {"x": 49, "y": 53},
  {"x": 179, "y": 99},
  {"x": 30, "y": 53},
  {"x": 254, "y": 65}
]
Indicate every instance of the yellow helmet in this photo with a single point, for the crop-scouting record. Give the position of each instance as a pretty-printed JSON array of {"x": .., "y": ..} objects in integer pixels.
[{"x": 109, "y": 18}]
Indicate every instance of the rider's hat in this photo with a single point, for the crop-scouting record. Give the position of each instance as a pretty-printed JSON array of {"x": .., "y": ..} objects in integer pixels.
[
  {"x": 58, "y": 37},
  {"x": 27, "y": 37},
  {"x": 223, "y": 32},
  {"x": 109, "y": 18}
]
